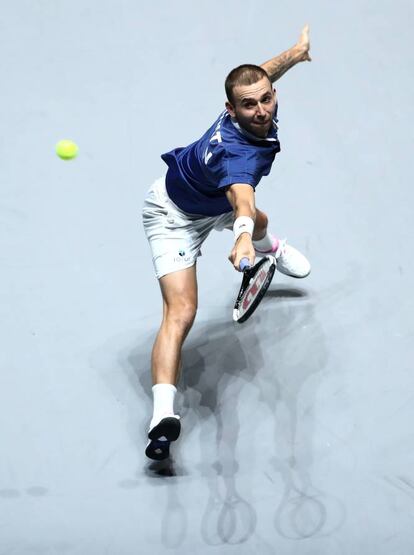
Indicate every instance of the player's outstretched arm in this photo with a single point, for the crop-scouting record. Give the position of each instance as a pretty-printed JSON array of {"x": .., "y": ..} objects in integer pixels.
[
  {"x": 241, "y": 197},
  {"x": 277, "y": 66}
]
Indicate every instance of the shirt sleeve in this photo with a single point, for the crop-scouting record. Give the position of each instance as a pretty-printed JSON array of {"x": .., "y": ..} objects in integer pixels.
[{"x": 234, "y": 164}]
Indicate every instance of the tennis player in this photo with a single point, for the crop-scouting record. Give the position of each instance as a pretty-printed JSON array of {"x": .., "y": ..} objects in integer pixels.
[{"x": 211, "y": 184}]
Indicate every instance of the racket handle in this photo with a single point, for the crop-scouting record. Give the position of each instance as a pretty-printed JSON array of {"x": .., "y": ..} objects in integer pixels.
[{"x": 244, "y": 264}]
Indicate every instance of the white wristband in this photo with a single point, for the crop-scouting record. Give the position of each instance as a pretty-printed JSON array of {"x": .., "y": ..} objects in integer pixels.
[{"x": 243, "y": 224}]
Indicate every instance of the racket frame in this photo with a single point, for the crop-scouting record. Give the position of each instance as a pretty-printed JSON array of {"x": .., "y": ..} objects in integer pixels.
[{"x": 248, "y": 275}]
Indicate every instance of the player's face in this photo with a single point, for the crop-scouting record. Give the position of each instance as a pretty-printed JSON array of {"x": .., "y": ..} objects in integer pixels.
[{"x": 253, "y": 107}]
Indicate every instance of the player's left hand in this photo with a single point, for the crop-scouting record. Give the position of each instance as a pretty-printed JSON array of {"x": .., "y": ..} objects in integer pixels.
[{"x": 303, "y": 44}]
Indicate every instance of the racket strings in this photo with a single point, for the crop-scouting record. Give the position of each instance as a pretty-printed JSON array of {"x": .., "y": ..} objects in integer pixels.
[{"x": 254, "y": 286}]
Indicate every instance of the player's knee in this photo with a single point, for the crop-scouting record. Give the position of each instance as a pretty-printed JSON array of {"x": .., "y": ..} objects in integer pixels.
[
  {"x": 261, "y": 223},
  {"x": 181, "y": 315}
]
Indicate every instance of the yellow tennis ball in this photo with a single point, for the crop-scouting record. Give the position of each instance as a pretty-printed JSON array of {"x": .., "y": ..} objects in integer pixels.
[{"x": 67, "y": 149}]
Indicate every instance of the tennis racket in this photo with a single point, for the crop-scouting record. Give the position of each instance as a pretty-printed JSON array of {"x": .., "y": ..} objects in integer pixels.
[{"x": 256, "y": 280}]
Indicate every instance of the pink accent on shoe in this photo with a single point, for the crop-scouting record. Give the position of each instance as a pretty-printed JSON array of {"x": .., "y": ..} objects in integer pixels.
[{"x": 274, "y": 248}]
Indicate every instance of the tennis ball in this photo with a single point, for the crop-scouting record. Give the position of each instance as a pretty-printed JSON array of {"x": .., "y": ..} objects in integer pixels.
[{"x": 66, "y": 149}]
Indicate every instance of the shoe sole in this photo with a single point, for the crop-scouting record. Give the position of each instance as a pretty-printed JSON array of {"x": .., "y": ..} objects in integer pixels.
[
  {"x": 292, "y": 275},
  {"x": 168, "y": 428}
]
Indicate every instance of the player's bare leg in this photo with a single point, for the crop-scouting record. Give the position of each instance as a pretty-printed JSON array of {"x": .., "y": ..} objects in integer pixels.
[
  {"x": 179, "y": 292},
  {"x": 260, "y": 225}
]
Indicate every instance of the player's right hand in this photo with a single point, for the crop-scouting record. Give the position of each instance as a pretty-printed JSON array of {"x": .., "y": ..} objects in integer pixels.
[{"x": 243, "y": 248}]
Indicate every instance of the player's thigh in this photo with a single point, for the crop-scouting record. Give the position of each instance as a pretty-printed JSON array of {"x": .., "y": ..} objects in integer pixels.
[{"x": 179, "y": 292}]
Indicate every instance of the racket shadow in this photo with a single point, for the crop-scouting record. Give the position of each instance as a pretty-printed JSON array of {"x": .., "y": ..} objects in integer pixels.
[
  {"x": 217, "y": 364},
  {"x": 286, "y": 293}
]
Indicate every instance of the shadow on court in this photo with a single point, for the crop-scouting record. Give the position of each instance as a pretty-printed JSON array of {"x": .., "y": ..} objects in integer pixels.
[{"x": 247, "y": 395}]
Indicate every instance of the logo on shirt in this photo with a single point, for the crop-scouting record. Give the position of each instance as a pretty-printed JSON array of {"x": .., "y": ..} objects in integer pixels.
[{"x": 216, "y": 138}]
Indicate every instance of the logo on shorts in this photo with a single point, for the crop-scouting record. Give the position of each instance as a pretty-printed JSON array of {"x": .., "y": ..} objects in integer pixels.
[{"x": 182, "y": 256}]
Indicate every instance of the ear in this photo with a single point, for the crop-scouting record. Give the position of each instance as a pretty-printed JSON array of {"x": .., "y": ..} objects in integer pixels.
[{"x": 230, "y": 109}]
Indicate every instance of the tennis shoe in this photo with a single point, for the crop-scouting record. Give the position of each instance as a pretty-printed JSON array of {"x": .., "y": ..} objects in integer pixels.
[
  {"x": 289, "y": 261},
  {"x": 161, "y": 435}
]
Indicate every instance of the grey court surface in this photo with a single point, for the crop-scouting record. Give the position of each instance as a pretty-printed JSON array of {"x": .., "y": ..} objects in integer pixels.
[{"x": 297, "y": 426}]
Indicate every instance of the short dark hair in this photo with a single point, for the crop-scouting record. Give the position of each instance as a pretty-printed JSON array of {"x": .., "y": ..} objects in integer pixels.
[{"x": 246, "y": 74}]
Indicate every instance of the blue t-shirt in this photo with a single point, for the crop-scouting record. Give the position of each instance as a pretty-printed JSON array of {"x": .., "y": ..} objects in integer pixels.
[{"x": 198, "y": 174}]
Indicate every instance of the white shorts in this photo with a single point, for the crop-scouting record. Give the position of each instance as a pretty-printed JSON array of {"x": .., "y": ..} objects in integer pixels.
[{"x": 175, "y": 237}]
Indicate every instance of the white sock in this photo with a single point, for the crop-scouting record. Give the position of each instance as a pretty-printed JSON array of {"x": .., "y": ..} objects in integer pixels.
[
  {"x": 163, "y": 395},
  {"x": 267, "y": 244}
]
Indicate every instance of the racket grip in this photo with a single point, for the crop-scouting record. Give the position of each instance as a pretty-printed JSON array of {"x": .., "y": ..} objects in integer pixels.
[{"x": 244, "y": 264}]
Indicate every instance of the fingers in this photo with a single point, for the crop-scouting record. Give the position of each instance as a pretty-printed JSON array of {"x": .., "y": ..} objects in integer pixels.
[
  {"x": 242, "y": 249},
  {"x": 304, "y": 36},
  {"x": 304, "y": 43}
]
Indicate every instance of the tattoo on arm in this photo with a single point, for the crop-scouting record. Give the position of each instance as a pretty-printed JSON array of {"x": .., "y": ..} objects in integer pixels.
[{"x": 277, "y": 66}]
